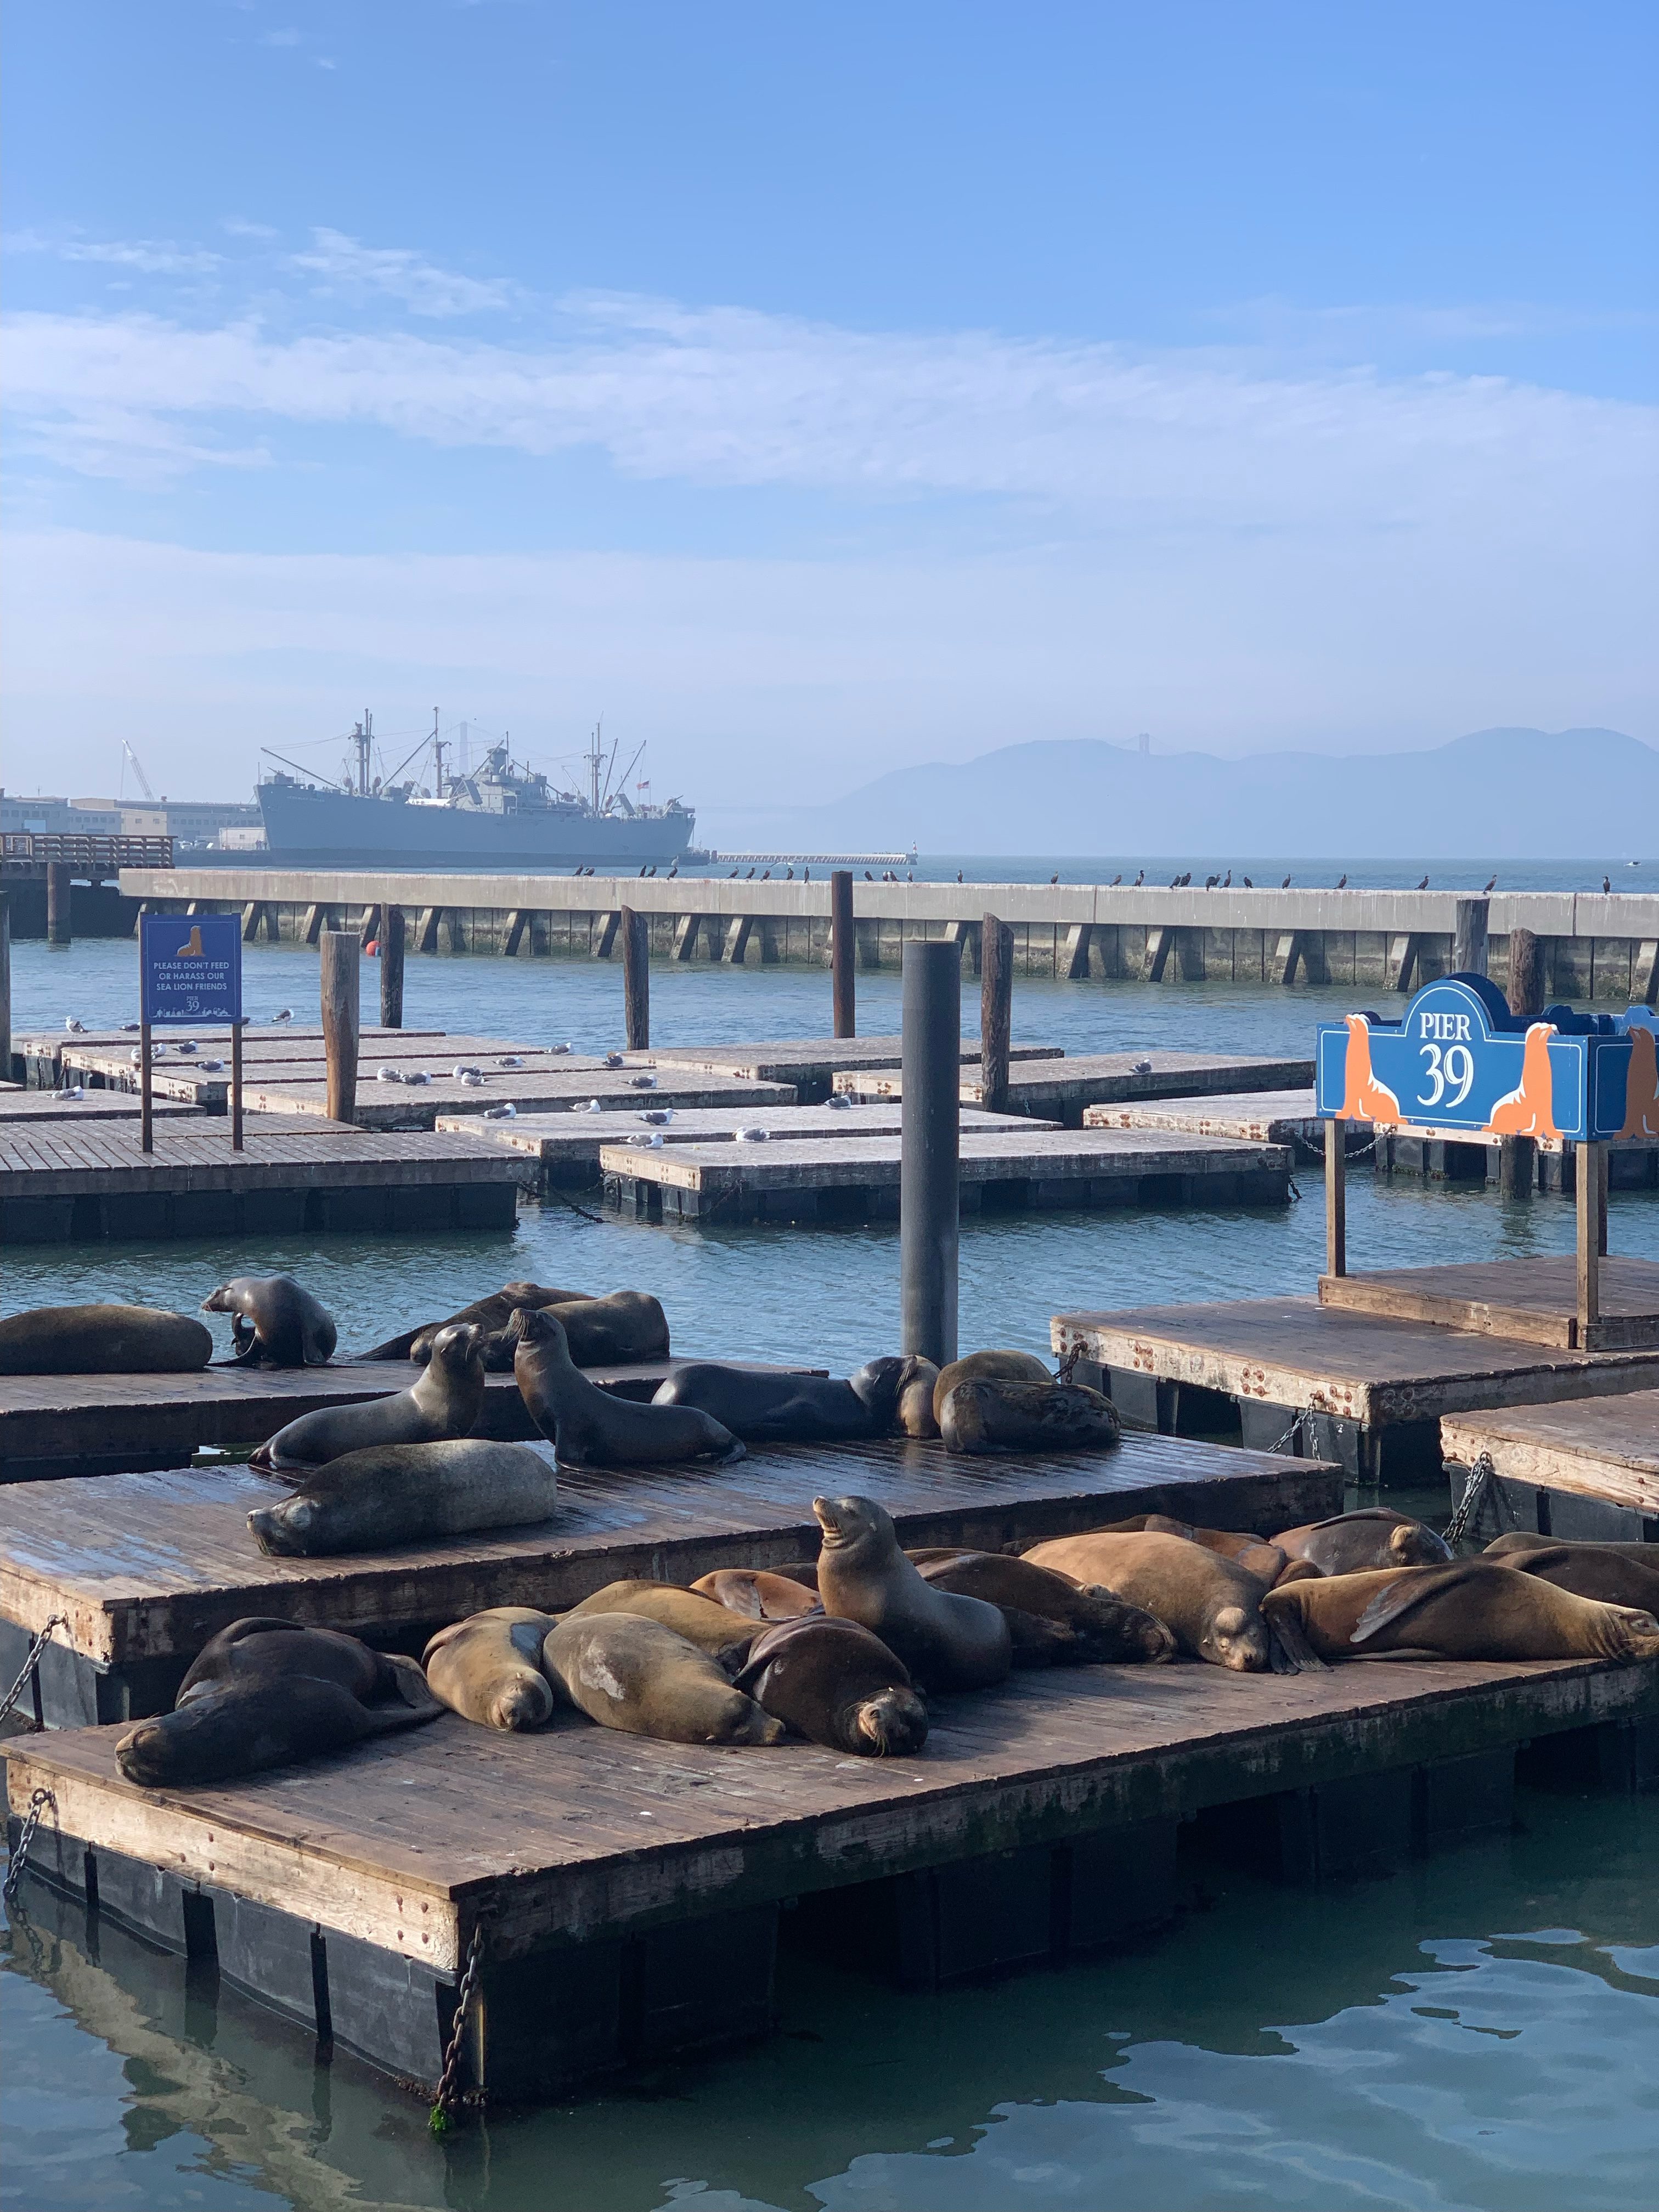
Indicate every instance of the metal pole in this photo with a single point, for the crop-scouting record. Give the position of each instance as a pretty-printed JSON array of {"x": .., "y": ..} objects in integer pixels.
[
  {"x": 637, "y": 978},
  {"x": 340, "y": 1029},
  {"x": 929, "y": 1170},
  {"x": 1336, "y": 1198},
  {"x": 391, "y": 968},
  {"x": 236, "y": 1086},
  {"x": 841, "y": 944},
  {"x": 996, "y": 1012},
  {"x": 5, "y": 986},
  {"x": 146, "y": 1118}
]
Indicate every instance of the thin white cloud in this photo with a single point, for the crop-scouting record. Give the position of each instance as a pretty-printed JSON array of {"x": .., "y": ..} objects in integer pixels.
[
  {"x": 150, "y": 257},
  {"x": 279, "y": 38},
  {"x": 345, "y": 269},
  {"x": 236, "y": 226}
]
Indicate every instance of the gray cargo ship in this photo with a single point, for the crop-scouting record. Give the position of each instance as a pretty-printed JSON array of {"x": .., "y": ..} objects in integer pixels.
[{"x": 499, "y": 816}]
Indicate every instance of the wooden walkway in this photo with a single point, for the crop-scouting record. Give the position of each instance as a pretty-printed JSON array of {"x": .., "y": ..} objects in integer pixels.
[
  {"x": 43, "y": 1050},
  {"x": 147, "y": 1566},
  {"x": 624, "y": 1893},
  {"x": 1017, "y": 1165},
  {"x": 811, "y": 1064},
  {"x": 396, "y": 1106},
  {"x": 1534, "y": 1301},
  {"x": 1590, "y": 1469},
  {"x": 1262, "y": 1117},
  {"x": 1062, "y": 1091},
  {"x": 1361, "y": 1387},
  {"x": 21, "y": 1109},
  {"x": 60, "y": 1184}
]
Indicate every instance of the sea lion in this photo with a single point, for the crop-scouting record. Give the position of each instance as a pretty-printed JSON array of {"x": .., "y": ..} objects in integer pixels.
[
  {"x": 490, "y": 1315},
  {"x": 1348, "y": 1543},
  {"x": 587, "y": 1427},
  {"x": 389, "y": 1494},
  {"x": 1211, "y": 1604},
  {"x": 1055, "y": 1620},
  {"x": 629, "y": 1673},
  {"x": 720, "y": 1635},
  {"x": 983, "y": 1366},
  {"x": 1254, "y": 1553},
  {"x": 274, "y": 1323},
  {"x": 1468, "y": 1609},
  {"x": 914, "y": 1414},
  {"x": 988, "y": 1415},
  {"x": 1616, "y": 1574},
  {"x": 758, "y": 1596},
  {"x": 627, "y": 1325},
  {"x": 258, "y": 1649},
  {"x": 103, "y": 1340},
  {"x": 790, "y": 1409},
  {"x": 488, "y": 1667},
  {"x": 444, "y": 1401},
  {"x": 837, "y": 1684},
  {"x": 948, "y": 1643}
]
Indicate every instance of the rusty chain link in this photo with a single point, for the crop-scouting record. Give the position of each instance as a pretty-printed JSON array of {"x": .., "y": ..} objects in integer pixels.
[
  {"x": 443, "y": 2105},
  {"x": 38, "y": 1804},
  {"x": 57, "y": 1620},
  {"x": 1463, "y": 1512}
]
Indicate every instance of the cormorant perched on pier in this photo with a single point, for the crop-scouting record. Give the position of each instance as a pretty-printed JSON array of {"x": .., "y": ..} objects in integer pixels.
[
  {"x": 642, "y": 867},
  {"x": 806, "y": 875},
  {"x": 1227, "y": 881},
  {"x": 1285, "y": 885},
  {"x": 1139, "y": 880},
  {"x": 1342, "y": 881},
  {"x": 766, "y": 875},
  {"x": 749, "y": 878},
  {"x": 1248, "y": 885},
  {"x": 1210, "y": 882},
  {"x": 789, "y": 875},
  {"x": 1492, "y": 885},
  {"x": 911, "y": 877},
  {"x": 672, "y": 873},
  {"x": 1054, "y": 879},
  {"x": 651, "y": 870},
  {"x": 1174, "y": 883},
  {"x": 1117, "y": 879},
  {"x": 1424, "y": 886},
  {"x": 868, "y": 877},
  {"x": 1186, "y": 879},
  {"x": 1606, "y": 886},
  {"x": 958, "y": 875},
  {"x": 732, "y": 878}
]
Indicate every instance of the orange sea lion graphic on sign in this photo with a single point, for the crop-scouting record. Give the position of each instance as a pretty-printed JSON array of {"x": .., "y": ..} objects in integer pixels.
[
  {"x": 1530, "y": 1110},
  {"x": 1363, "y": 1098},
  {"x": 1642, "y": 1088},
  {"x": 192, "y": 947}
]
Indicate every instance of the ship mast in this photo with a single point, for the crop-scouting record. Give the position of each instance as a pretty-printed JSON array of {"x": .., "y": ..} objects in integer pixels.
[
  {"x": 595, "y": 761},
  {"x": 364, "y": 734}
]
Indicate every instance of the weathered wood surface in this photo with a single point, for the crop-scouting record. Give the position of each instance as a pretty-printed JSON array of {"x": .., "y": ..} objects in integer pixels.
[
  {"x": 103, "y": 1157},
  {"x": 396, "y": 1106},
  {"x": 1269, "y": 1117},
  {"x": 150, "y": 1565},
  {"x": 1605, "y": 1448},
  {"x": 1062, "y": 1091},
  {"x": 811, "y": 1064},
  {"x": 579, "y": 1834},
  {"x": 1359, "y": 1367},
  {"x": 33, "y": 1107},
  {"x": 1531, "y": 1300}
]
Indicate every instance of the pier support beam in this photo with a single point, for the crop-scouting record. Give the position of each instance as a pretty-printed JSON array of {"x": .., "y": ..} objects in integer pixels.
[
  {"x": 5, "y": 986},
  {"x": 685, "y": 935},
  {"x": 929, "y": 1170},
  {"x": 734, "y": 951},
  {"x": 637, "y": 978},
  {"x": 340, "y": 958},
  {"x": 843, "y": 946},
  {"x": 59, "y": 892},
  {"x": 391, "y": 968},
  {"x": 1591, "y": 1165},
  {"x": 1469, "y": 938},
  {"x": 1336, "y": 1198},
  {"x": 996, "y": 1001},
  {"x": 1076, "y": 955},
  {"x": 1518, "y": 1157}
]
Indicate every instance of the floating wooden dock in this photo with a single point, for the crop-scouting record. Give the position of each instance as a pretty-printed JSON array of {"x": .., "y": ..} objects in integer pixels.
[
  {"x": 622, "y": 1897},
  {"x": 1533, "y": 1301},
  {"x": 1262, "y": 1117},
  {"x": 146, "y": 1567},
  {"x": 1452, "y": 1158},
  {"x": 858, "y": 1178},
  {"x": 812, "y": 1064},
  {"x": 22, "y": 1109},
  {"x": 1588, "y": 1471},
  {"x": 60, "y": 1185},
  {"x": 396, "y": 1106},
  {"x": 1063, "y": 1090},
  {"x": 1363, "y": 1389},
  {"x": 42, "y": 1050}
]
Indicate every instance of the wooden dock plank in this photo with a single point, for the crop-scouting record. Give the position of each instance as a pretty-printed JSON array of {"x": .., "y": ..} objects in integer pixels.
[
  {"x": 812, "y": 1063},
  {"x": 1269, "y": 1117},
  {"x": 388, "y": 1106},
  {"x": 1602, "y": 1448},
  {"x": 1533, "y": 1301},
  {"x": 1062, "y": 1091}
]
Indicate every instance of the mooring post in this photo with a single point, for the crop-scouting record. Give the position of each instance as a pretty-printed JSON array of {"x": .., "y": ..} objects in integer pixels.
[
  {"x": 930, "y": 1152},
  {"x": 637, "y": 978},
  {"x": 1592, "y": 1236},
  {"x": 1469, "y": 938},
  {"x": 1336, "y": 1197},
  {"x": 5, "y": 986},
  {"x": 340, "y": 960},
  {"x": 59, "y": 892},
  {"x": 996, "y": 1012},
  {"x": 1518, "y": 1157},
  {"x": 391, "y": 968},
  {"x": 236, "y": 1084},
  {"x": 842, "y": 946}
]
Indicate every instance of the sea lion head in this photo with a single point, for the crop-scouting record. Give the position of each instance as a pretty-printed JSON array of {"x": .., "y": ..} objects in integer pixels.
[
  {"x": 1413, "y": 1544},
  {"x": 282, "y": 1529},
  {"x": 1628, "y": 1633},
  {"x": 212, "y": 1733},
  {"x": 231, "y": 1297},
  {"x": 877, "y": 1385},
  {"x": 459, "y": 1346},
  {"x": 534, "y": 1325},
  {"x": 856, "y": 1527},
  {"x": 1231, "y": 1639},
  {"x": 892, "y": 1725}
]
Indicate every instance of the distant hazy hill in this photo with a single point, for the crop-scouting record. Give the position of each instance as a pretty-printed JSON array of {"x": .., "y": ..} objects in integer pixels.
[{"x": 1511, "y": 794}]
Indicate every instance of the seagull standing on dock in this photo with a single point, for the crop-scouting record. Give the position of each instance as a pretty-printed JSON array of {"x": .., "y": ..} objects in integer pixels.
[{"x": 75, "y": 1028}]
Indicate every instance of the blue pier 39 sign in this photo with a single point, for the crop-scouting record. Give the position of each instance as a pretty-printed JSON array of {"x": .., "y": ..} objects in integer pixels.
[
  {"x": 190, "y": 968},
  {"x": 1459, "y": 1062}
]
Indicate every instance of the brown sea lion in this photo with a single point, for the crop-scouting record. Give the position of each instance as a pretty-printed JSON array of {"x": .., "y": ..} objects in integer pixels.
[
  {"x": 1616, "y": 1574},
  {"x": 1211, "y": 1604},
  {"x": 718, "y": 1632},
  {"x": 986, "y": 1366},
  {"x": 914, "y": 1413},
  {"x": 837, "y": 1684},
  {"x": 1264, "y": 1560},
  {"x": 1348, "y": 1543},
  {"x": 444, "y": 1401},
  {"x": 790, "y": 1409},
  {"x": 629, "y": 1673},
  {"x": 990, "y": 1415},
  {"x": 389, "y": 1494},
  {"x": 758, "y": 1596},
  {"x": 274, "y": 1323},
  {"x": 589, "y": 1428},
  {"x": 490, "y": 1315},
  {"x": 948, "y": 1643},
  {"x": 488, "y": 1667},
  {"x": 103, "y": 1340},
  {"x": 1468, "y": 1609},
  {"x": 1054, "y": 1621}
]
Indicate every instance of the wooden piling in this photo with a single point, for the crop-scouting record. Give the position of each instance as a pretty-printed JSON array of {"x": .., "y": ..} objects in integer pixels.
[
  {"x": 1592, "y": 1232},
  {"x": 1518, "y": 1157},
  {"x": 58, "y": 895},
  {"x": 930, "y": 1167},
  {"x": 1336, "y": 1198},
  {"x": 391, "y": 968},
  {"x": 5, "y": 986},
  {"x": 637, "y": 978},
  {"x": 996, "y": 1000},
  {"x": 1469, "y": 938},
  {"x": 340, "y": 959},
  {"x": 841, "y": 946}
]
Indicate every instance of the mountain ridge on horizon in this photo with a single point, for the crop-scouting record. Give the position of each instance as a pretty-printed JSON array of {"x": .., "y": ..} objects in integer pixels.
[{"x": 1513, "y": 792}]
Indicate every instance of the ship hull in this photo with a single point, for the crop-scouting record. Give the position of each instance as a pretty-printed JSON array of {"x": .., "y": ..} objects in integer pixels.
[{"x": 312, "y": 829}]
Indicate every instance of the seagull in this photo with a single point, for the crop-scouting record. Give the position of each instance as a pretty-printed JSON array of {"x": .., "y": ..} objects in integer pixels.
[
  {"x": 1139, "y": 880},
  {"x": 1285, "y": 885},
  {"x": 509, "y": 1060},
  {"x": 79, "y": 1028},
  {"x": 1492, "y": 885},
  {"x": 387, "y": 1075},
  {"x": 911, "y": 877},
  {"x": 1422, "y": 886},
  {"x": 1342, "y": 882},
  {"x": 286, "y": 1015},
  {"x": 508, "y": 1113},
  {"x": 614, "y": 1059}
]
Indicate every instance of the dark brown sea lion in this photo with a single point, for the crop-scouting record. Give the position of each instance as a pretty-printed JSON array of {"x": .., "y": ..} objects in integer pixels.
[
  {"x": 1264, "y": 1560},
  {"x": 948, "y": 1643},
  {"x": 587, "y": 1426},
  {"x": 986, "y": 1366},
  {"x": 1054, "y": 1621},
  {"x": 1348, "y": 1543},
  {"x": 1211, "y": 1604},
  {"x": 837, "y": 1684},
  {"x": 790, "y": 1409},
  {"x": 1616, "y": 1574},
  {"x": 758, "y": 1596},
  {"x": 988, "y": 1415},
  {"x": 488, "y": 1667},
  {"x": 490, "y": 1315},
  {"x": 275, "y": 1323},
  {"x": 721, "y": 1634},
  {"x": 103, "y": 1340},
  {"x": 1468, "y": 1609},
  {"x": 389, "y": 1494},
  {"x": 444, "y": 1401},
  {"x": 629, "y": 1673}
]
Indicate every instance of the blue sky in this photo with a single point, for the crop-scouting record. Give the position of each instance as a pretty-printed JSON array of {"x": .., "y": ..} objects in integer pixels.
[{"x": 818, "y": 390}]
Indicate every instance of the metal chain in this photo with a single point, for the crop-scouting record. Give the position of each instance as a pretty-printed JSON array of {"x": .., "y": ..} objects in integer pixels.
[
  {"x": 57, "y": 1620},
  {"x": 1480, "y": 1475},
  {"x": 1292, "y": 1435},
  {"x": 1063, "y": 1372},
  {"x": 443, "y": 2105},
  {"x": 38, "y": 1804}
]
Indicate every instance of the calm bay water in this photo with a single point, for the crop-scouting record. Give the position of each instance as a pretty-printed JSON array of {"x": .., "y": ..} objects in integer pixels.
[{"x": 1480, "y": 2031}]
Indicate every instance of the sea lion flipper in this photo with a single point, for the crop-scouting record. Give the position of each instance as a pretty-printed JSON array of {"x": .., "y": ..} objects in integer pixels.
[
  {"x": 414, "y": 1692},
  {"x": 1290, "y": 1651},
  {"x": 1403, "y": 1597}
]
